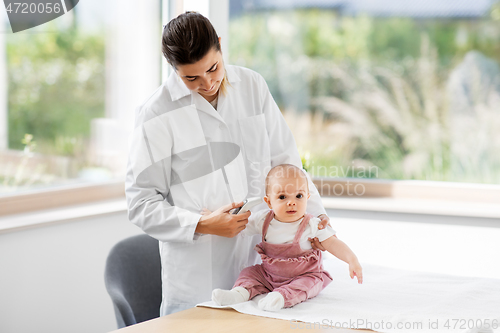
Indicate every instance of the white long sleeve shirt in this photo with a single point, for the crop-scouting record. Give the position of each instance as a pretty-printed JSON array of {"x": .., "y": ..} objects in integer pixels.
[{"x": 185, "y": 156}]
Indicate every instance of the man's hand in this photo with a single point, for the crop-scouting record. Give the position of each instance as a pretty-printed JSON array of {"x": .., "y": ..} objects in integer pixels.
[{"x": 221, "y": 222}]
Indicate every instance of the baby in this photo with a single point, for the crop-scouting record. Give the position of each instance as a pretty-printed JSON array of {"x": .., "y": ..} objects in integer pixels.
[{"x": 291, "y": 271}]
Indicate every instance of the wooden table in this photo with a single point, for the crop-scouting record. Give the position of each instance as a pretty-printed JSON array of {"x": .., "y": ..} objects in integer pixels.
[{"x": 201, "y": 319}]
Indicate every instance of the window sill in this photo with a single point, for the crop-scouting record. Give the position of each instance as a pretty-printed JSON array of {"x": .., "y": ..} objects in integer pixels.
[
  {"x": 408, "y": 189},
  {"x": 411, "y": 197},
  {"x": 388, "y": 205},
  {"x": 415, "y": 206},
  {"x": 369, "y": 204},
  {"x": 37, "y": 200},
  {"x": 60, "y": 215}
]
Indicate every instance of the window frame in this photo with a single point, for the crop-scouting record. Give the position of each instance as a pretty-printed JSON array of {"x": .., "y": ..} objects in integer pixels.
[
  {"x": 121, "y": 112},
  {"x": 63, "y": 196},
  {"x": 409, "y": 189},
  {"x": 37, "y": 200}
]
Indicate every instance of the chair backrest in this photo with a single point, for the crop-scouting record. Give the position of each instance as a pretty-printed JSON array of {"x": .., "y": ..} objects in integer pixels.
[{"x": 133, "y": 279}]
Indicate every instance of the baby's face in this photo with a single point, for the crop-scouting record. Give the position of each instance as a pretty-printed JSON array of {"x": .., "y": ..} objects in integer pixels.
[{"x": 287, "y": 197}]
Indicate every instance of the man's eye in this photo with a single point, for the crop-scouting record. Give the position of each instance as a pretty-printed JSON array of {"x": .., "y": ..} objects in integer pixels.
[
  {"x": 299, "y": 196},
  {"x": 191, "y": 80},
  {"x": 281, "y": 197}
]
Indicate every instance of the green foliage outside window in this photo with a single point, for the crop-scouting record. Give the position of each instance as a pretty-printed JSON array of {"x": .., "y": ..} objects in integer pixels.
[
  {"x": 55, "y": 87},
  {"x": 374, "y": 93}
]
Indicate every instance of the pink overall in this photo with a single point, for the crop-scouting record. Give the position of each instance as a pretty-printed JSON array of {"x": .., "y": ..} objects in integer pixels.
[{"x": 286, "y": 268}]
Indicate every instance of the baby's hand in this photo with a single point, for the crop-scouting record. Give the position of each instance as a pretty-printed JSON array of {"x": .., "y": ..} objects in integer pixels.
[
  {"x": 325, "y": 220},
  {"x": 356, "y": 270}
]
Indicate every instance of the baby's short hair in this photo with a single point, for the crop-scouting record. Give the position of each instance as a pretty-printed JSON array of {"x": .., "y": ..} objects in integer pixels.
[{"x": 284, "y": 170}]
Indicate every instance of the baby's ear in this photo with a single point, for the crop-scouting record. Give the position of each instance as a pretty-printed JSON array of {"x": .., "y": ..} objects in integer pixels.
[
  {"x": 268, "y": 202},
  {"x": 308, "y": 195}
]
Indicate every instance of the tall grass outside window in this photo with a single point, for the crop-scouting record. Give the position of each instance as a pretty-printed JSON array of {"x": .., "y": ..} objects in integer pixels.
[{"x": 388, "y": 96}]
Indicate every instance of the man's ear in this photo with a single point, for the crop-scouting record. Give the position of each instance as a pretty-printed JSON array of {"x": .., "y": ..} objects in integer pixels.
[{"x": 268, "y": 202}]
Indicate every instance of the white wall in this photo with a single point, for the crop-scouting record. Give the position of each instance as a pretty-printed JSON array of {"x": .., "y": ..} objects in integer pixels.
[
  {"x": 453, "y": 245},
  {"x": 52, "y": 277},
  {"x": 3, "y": 84}
]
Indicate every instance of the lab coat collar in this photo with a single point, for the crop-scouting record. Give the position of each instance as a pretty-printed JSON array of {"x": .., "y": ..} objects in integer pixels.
[
  {"x": 178, "y": 89},
  {"x": 203, "y": 105},
  {"x": 232, "y": 77}
]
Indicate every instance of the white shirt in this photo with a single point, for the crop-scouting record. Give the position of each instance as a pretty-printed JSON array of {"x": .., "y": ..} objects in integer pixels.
[
  {"x": 284, "y": 232},
  {"x": 185, "y": 156}
]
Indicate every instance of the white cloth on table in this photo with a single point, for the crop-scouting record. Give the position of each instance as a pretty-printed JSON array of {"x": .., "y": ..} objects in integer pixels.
[{"x": 391, "y": 300}]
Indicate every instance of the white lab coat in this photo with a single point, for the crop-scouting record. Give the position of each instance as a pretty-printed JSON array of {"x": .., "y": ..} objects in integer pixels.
[{"x": 174, "y": 171}]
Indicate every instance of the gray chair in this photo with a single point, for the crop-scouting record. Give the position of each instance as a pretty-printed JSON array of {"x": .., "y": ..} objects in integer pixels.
[{"x": 133, "y": 279}]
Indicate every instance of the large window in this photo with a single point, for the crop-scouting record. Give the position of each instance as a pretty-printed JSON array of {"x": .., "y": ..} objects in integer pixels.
[
  {"x": 389, "y": 89},
  {"x": 72, "y": 85},
  {"x": 384, "y": 91},
  {"x": 56, "y": 86}
]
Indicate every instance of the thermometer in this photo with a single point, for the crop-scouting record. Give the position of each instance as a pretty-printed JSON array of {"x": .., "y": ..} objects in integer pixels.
[{"x": 247, "y": 204}]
